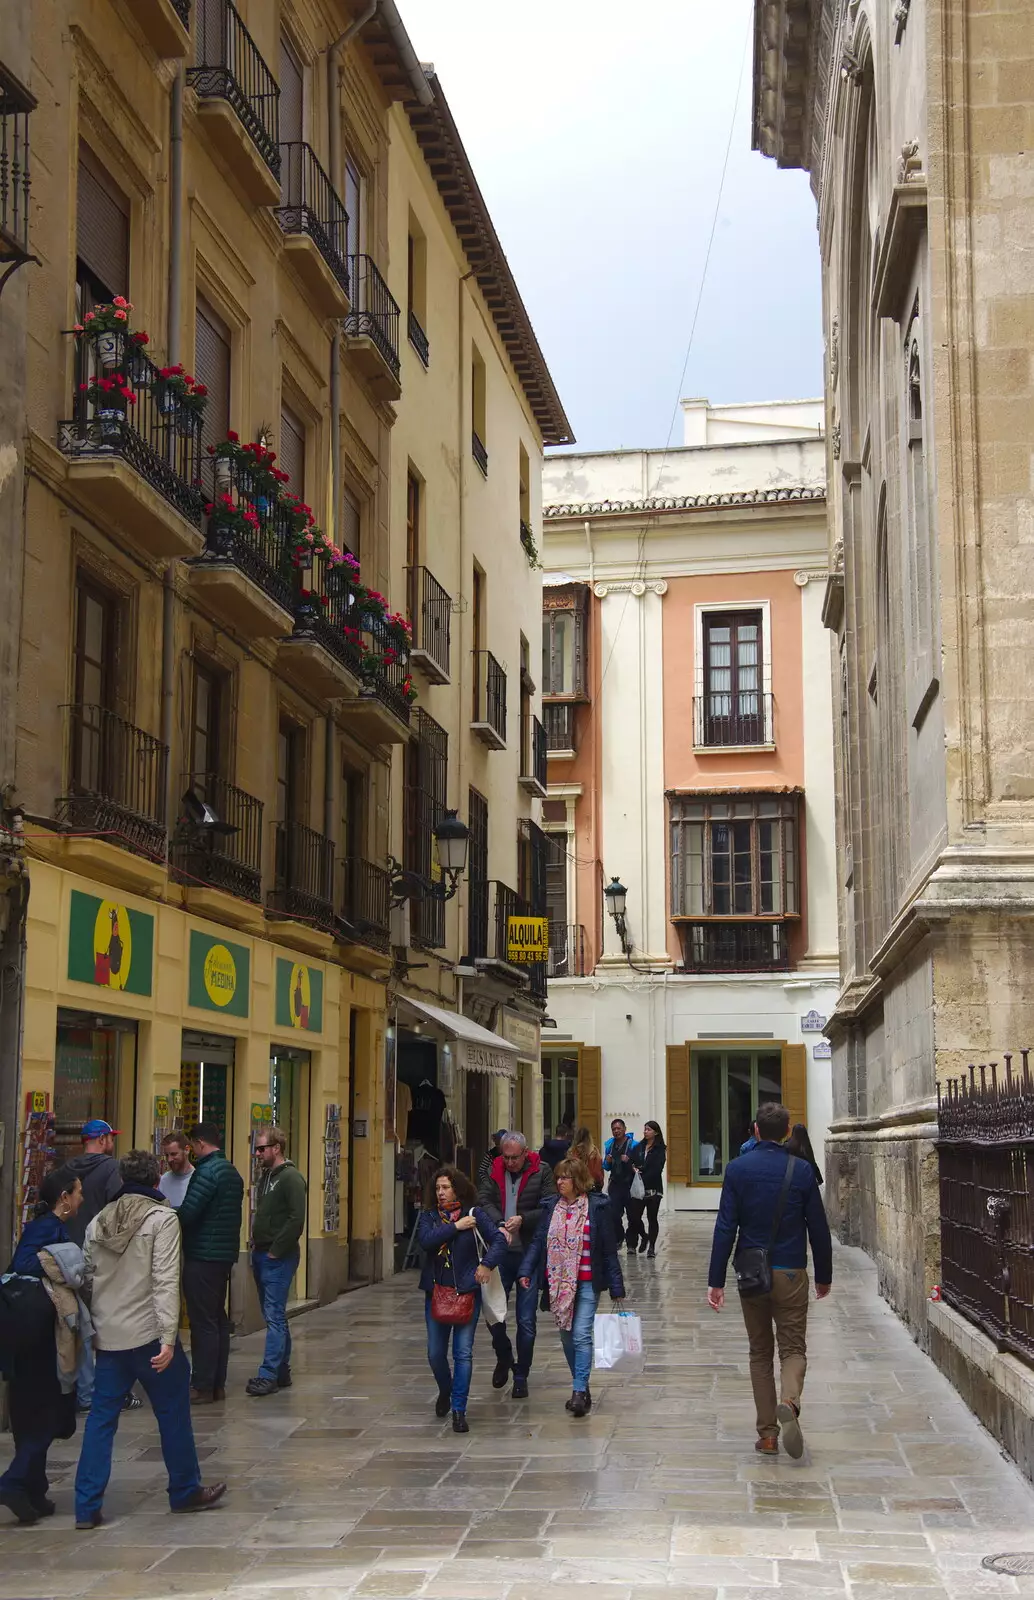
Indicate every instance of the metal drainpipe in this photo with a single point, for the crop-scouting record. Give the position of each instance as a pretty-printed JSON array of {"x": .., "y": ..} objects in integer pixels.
[{"x": 173, "y": 332}]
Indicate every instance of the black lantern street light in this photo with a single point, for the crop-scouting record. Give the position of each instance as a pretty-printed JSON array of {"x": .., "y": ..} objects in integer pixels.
[
  {"x": 616, "y": 895},
  {"x": 452, "y": 840}
]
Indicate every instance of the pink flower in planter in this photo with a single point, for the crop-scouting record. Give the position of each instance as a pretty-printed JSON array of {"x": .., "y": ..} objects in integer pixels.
[
  {"x": 89, "y": 316},
  {"x": 120, "y": 316},
  {"x": 120, "y": 300},
  {"x": 78, "y": 328}
]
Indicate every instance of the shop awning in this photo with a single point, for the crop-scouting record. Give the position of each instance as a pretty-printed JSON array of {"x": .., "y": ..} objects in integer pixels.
[{"x": 477, "y": 1049}]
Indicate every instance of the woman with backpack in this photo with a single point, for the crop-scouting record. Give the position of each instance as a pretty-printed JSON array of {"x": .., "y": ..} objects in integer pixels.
[{"x": 40, "y": 1411}]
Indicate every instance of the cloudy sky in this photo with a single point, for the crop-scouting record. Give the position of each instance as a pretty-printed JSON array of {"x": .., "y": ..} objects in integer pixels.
[{"x": 598, "y": 131}]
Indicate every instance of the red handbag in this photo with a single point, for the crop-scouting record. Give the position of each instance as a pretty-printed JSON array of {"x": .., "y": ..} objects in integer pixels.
[{"x": 447, "y": 1304}]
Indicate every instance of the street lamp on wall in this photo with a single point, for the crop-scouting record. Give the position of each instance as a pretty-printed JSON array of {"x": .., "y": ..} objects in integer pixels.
[
  {"x": 452, "y": 841},
  {"x": 616, "y": 896}
]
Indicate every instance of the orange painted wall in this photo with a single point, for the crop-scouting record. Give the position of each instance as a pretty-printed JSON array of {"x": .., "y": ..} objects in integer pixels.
[{"x": 781, "y": 768}]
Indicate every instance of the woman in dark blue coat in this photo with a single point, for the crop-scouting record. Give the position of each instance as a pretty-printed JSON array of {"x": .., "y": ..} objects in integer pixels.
[
  {"x": 575, "y": 1253},
  {"x": 40, "y": 1411},
  {"x": 446, "y": 1235}
]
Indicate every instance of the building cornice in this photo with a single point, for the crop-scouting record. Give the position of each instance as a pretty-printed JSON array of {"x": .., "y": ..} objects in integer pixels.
[{"x": 684, "y": 502}]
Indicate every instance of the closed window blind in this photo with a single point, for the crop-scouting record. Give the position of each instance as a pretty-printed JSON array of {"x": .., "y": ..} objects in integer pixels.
[
  {"x": 292, "y": 451},
  {"x": 102, "y": 226},
  {"x": 212, "y": 368},
  {"x": 291, "y": 93}
]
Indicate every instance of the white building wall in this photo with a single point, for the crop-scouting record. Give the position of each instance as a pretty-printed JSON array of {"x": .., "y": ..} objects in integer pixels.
[{"x": 634, "y": 1018}]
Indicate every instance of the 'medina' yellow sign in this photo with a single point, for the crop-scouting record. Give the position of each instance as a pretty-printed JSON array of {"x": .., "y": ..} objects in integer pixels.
[{"x": 527, "y": 939}]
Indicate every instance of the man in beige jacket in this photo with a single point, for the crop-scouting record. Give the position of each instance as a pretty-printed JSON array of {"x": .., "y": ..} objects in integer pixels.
[{"x": 133, "y": 1286}]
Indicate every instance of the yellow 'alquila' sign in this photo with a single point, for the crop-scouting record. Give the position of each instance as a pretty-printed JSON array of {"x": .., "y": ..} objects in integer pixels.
[{"x": 527, "y": 939}]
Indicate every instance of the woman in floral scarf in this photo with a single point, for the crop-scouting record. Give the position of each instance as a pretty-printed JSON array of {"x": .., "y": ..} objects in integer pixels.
[{"x": 575, "y": 1249}]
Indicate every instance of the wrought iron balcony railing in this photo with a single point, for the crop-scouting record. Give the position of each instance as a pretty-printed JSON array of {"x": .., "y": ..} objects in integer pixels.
[
  {"x": 375, "y": 313},
  {"x": 479, "y": 452},
  {"x": 328, "y": 614},
  {"x": 366, "y": 903},
  {"x": 533, "y": 752},
  {"x": 16, "y": 103},
  {"x": 418, "y": 339},
  {"x": 158, "y": 432},
  {"x": 568, "y": 951},
  {"x": 734, "y": 946},
  {"x": 229, "y": 67},
  {"x": 311, "y": 205},
  {"x": 258, "y": 548},
  {"x": 116, "y": 780},
  {"x": 721, "y": 718},
  {"x": 303, "y": 875},
  {"x": 430, "y": 610},
  {"x": 490, "y": 905},
  {"x": 227, "y": 857},
  {"x": 559, "y": 725},
  {"x": 386, "y": 665},
  {"x": 489, "y": 719}
]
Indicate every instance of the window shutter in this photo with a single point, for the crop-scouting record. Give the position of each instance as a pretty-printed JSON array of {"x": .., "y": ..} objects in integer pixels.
[
  {"x": 795, "y": 1081},
  {"x": 351, "y": 522},
  {"x": 291, "y": 453},
  {"x": 212, "y": 368},
  {"x": 102, "y": 225},
  {"x": 678, "y": 1132},
  {"x": 291, "y": 94},
  {"x": 590, "y": 1090}
]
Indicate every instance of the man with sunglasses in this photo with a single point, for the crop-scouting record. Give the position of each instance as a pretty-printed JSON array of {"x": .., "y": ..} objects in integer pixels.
[{"x": 276, "y": 1229}]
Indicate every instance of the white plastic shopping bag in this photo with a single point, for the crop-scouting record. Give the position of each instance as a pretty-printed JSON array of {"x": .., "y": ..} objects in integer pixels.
[
  {"x": 617, "y": 1340},
  {"x": 493, "y": 1295}
]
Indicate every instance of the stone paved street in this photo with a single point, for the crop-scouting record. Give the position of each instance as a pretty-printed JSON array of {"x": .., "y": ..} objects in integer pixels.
[{"x": 348, "y": 1484}]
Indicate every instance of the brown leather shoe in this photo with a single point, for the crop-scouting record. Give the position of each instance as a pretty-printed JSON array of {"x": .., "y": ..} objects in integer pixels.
[
  {"x": 768, "y": 1446},
  {"x": 204, "y": 1498},
  {"x": 201, "y": 1397}
]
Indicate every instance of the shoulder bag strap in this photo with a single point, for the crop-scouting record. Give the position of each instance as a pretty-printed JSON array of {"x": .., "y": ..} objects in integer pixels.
[
  {"x": 784, "y": 1191},
  {"x": 479, "y": 1243}
]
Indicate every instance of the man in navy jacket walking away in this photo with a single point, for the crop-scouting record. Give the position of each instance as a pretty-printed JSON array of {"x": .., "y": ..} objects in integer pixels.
[{"x": 750, "y": 1201}]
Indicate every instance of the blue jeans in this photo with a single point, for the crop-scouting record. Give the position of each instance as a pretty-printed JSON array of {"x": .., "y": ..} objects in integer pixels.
[
  {"x": 84, "y": 1377},
  {"x": 527, "y": 1307},
  {"x": 273, "y": 1280},
  {"x": 577, "y": 1340},
  {"x": 455, "y": 1382},
  {"x": 169, "y": 1394}
]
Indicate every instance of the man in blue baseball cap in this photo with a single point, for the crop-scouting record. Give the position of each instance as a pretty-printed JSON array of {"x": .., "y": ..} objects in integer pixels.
[{"x": 98, "y": 1171}]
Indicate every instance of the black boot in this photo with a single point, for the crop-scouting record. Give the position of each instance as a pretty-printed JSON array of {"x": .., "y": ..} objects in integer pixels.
[
  {"x": 579, "y": 1403},
  {"x": 443, "y": 1404},
  {"x": 501, "y": 1372},
  {"x": 459, "y": 1422},
  {"x": 588, "y": 1401},
  {"x": 643, "y": 1242},
  {"x": 650, "y": 1253}
]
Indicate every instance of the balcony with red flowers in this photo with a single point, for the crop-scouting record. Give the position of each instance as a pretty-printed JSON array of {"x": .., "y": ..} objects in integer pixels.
[{"x": 133, "y": 442}]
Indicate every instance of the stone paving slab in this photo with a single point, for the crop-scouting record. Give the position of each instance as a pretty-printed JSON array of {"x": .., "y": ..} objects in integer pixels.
[{"x": 347, "y": 1485}]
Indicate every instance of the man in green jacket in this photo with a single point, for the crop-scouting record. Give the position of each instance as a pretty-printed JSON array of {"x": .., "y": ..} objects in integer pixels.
[
  {"x": 276, "y": 1228},
  {"x": 210, "y": 1217}
]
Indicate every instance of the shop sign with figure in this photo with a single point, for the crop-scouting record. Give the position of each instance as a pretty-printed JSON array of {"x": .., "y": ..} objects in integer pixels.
[{"x": 109, "y": 945}]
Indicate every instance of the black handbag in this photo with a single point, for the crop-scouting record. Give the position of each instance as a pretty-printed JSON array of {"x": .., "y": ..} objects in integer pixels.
[
  {"x": 753, "y": 1264},
  {"x": 27, "y": 1316}
]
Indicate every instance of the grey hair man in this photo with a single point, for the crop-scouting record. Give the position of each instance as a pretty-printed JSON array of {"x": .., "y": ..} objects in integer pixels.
[{"x": 512, "y": 1194}]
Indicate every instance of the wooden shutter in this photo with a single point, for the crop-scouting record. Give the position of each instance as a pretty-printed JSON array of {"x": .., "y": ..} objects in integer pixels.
[
  {"x": 590, "y": 1090},
  {"x": 212, "y": 368},
  {"x": 292, "y": 451},
  {"x": 291, "y": 93},
  {"x": 102, "y": 225},
  {"x": 678, "y": 1131},
  {"x": 795, "y": 1081}
]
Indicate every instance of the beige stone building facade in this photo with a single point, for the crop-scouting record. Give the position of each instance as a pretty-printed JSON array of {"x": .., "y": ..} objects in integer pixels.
[
  {"x": 231, "y": 748},
  {"x": 915, "y": 120}
]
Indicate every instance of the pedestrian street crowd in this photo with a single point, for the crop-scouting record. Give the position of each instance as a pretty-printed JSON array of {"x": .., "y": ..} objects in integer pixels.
[{"x": 881, "y": 1484}]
